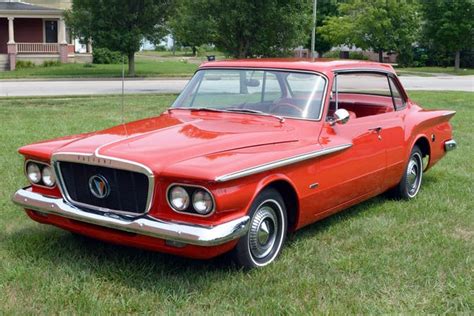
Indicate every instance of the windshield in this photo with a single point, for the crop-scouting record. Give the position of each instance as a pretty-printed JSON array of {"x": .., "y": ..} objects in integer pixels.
[{"x": 280, "y": 93}]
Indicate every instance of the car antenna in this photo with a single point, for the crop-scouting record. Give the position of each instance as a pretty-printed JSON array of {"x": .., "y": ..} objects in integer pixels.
[
  {"x": 123, "y": 94},
  {"x": 123, "y": 86}
]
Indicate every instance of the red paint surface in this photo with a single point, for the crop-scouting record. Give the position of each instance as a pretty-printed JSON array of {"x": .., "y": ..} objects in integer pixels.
[{"x": 196, "y": 147}]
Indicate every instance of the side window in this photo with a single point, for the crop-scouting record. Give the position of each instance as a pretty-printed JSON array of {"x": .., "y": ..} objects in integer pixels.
[
  {"x": 397, "y": 96},
  {"x": 362, "y": 94},
  {"x": 364, "y": 83}
]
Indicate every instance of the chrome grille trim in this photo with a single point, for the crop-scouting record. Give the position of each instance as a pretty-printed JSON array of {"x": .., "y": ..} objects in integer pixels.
[{"x": 103, "y": 161}]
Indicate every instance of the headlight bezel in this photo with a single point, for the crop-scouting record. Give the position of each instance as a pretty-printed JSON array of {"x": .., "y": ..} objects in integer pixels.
[
  {"x": 52, "y": 176},
  {"x": 41, "y": 165},
  {"x": 187, "y": 198},
  {"x": 190, "y": 189},
  {"x": 204, "y": 192}
]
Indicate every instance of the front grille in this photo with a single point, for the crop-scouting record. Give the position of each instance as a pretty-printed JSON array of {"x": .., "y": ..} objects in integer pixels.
[{"x": 128, "y": 189}]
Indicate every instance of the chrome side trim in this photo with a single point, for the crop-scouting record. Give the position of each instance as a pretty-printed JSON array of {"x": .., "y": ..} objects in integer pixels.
[
  {"x": 280, "y": 163},
  {"x": 450, "y": 145},
  {"x": 200, "y": 235},
  {"x": 100, "y": 160},
  {"x": 449, "y": 113}
]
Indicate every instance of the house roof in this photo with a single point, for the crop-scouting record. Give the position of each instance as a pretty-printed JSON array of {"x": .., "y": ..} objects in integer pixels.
[
  {"x": 318, "y": 64},
  {"x": 26, "y": 9}
]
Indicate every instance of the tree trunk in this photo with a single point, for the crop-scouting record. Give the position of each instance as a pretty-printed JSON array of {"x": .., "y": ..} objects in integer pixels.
[
  {"x": 131, "y": 64},
  {"x": 380, "y": 56},
  {"x": 457, "y": 60}
]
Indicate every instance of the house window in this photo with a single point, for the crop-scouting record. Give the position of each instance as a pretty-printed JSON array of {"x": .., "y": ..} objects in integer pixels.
[{"x": 51, "y": 31}]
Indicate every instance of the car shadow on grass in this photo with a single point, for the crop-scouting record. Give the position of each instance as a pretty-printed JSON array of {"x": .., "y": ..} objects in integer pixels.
[{"x": 52, "y": 248}]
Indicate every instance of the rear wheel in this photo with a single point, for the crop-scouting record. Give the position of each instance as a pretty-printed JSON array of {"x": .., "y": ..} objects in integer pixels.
[
  {"x": 268, "y": 225},
  {"x": 410, "y": 183}
]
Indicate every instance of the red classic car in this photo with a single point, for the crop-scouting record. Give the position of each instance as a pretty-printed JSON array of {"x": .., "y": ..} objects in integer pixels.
[{"x": 249, "y": 151}]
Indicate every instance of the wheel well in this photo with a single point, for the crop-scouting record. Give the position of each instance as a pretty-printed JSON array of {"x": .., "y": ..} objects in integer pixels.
[
  {"x": 290, "y": 197},
  {"x": 424, "y": 146}
]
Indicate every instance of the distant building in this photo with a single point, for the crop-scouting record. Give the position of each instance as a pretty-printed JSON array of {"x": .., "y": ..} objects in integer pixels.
[{"x": 34, "y": 31}]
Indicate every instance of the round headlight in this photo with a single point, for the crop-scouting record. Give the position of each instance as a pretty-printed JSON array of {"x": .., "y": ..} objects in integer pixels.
[
  {"x": 33, "y": 172},
  {"x": 202, "y": 202},
  {"x": 179, "y": 198},
  {"x": 48, "y": 177}
]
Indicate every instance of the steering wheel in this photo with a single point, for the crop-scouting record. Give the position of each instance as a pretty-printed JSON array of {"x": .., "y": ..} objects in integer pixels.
[{"x": 286, "y": 104}]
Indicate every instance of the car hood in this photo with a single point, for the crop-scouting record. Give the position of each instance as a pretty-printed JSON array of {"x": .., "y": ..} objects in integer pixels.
[{"x": 179, "y": 136}]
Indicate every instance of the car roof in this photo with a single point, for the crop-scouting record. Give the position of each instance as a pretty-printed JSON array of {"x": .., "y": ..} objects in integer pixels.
[{"x": 323, "y": 65}]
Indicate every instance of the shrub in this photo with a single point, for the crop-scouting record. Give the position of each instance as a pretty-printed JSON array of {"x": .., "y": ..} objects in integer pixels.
[
  {"x": 51, "y": 63},
  {"x": 106, "y": 56},
  {"x": 22, "y": 64},
  {"x": 352, "y": 55},
  {"x": 160, "y": 48}
]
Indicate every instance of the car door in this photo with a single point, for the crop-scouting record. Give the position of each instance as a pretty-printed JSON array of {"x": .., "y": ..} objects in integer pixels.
[{"x": 358, "y": 172}]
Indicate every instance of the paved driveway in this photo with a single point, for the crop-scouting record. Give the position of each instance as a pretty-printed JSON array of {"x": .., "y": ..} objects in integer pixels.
[{"x": 111, "y": 86}]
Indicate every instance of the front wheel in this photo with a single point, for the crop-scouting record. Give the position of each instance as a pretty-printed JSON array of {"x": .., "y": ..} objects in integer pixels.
[
  {"x": 268, "y": 226},
  {"x": 411, "y": 181}
]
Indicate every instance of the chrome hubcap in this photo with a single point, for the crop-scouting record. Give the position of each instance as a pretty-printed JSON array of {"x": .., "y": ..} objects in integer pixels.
[
  {"x": 413, "y": 177},
  {"x": 263, "y": 231}
]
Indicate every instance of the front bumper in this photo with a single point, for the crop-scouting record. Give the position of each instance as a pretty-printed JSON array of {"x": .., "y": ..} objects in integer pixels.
[{"x": 199, "y": 235}]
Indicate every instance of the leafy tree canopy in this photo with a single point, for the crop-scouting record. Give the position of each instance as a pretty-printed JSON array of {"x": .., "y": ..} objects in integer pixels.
[
  {"x": 119, "y": 25},
  {"x": 246, "y": 28},
  {"x": 191, "y": 23},
  {"x": 325, "y": 9},
  {"x": 380, "y": 25},
  {"x": 449, "y": 26}
]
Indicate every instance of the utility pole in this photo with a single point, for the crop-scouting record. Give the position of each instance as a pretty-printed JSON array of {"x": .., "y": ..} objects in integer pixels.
[{"x": 313, "y": 34}]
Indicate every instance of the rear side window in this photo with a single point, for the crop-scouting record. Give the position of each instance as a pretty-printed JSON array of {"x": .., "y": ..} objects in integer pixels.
[
  {"x": 364, "y": 83},
  {"x": 397, "y": 96}
]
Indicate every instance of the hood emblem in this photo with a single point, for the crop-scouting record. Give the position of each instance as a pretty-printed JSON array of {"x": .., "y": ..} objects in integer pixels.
[{"x": 99, "y": 186}]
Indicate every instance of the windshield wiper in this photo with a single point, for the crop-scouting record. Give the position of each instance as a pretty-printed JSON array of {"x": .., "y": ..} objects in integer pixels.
[
  {"x": 232, "y": 110},
  {"x": 280, "y": 118}
]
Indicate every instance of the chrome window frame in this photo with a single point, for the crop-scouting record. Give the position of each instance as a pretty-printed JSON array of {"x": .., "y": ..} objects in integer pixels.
[
  {"x": 96, "y": 159},
  {"x": 311, "y": 72}
]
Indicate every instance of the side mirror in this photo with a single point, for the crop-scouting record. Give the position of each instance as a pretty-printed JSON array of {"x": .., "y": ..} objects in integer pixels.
[{"x": 341, "y": 116}]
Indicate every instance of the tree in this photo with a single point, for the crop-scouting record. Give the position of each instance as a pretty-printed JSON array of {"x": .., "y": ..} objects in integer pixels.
[
  {"x": 192, "y": 24},
  {"x": 326, "y": 9},
  {"x": 266, "y": 28},
  {"x": 380, "y": 25},
  {"x": 119, "y": 25},
  {"x": 448, "y": 26}
]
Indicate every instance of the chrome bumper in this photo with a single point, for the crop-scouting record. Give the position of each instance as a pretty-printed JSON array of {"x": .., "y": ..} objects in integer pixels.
[
  {"x": 144, "y": 225},
  {"x": 450, "y": 145}
]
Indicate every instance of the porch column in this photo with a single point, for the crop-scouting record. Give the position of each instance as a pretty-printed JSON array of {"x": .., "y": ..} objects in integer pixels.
[
  {"x": 11, "y": 43},
  {"x": 63, "y": 46}
]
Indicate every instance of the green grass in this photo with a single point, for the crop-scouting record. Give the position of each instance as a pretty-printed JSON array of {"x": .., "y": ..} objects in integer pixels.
[
  {"x": 144, "y": 68},
  {"x": 382, "y": 256},
  {"x": 187, "y": 53},
  {"x": 433, "y": 71}
]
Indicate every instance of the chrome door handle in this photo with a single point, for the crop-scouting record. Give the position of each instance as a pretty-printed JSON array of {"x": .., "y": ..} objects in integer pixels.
[{"x": 377, "y": 129}]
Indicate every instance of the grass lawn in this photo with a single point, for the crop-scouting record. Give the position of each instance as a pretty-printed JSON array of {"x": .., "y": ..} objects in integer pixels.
[
  {"x": 144, "y": 68},
  {"x": 432, "y": 71},
  {"x": 179, "y": 53},
  {"x": 382, "y": 256}
]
